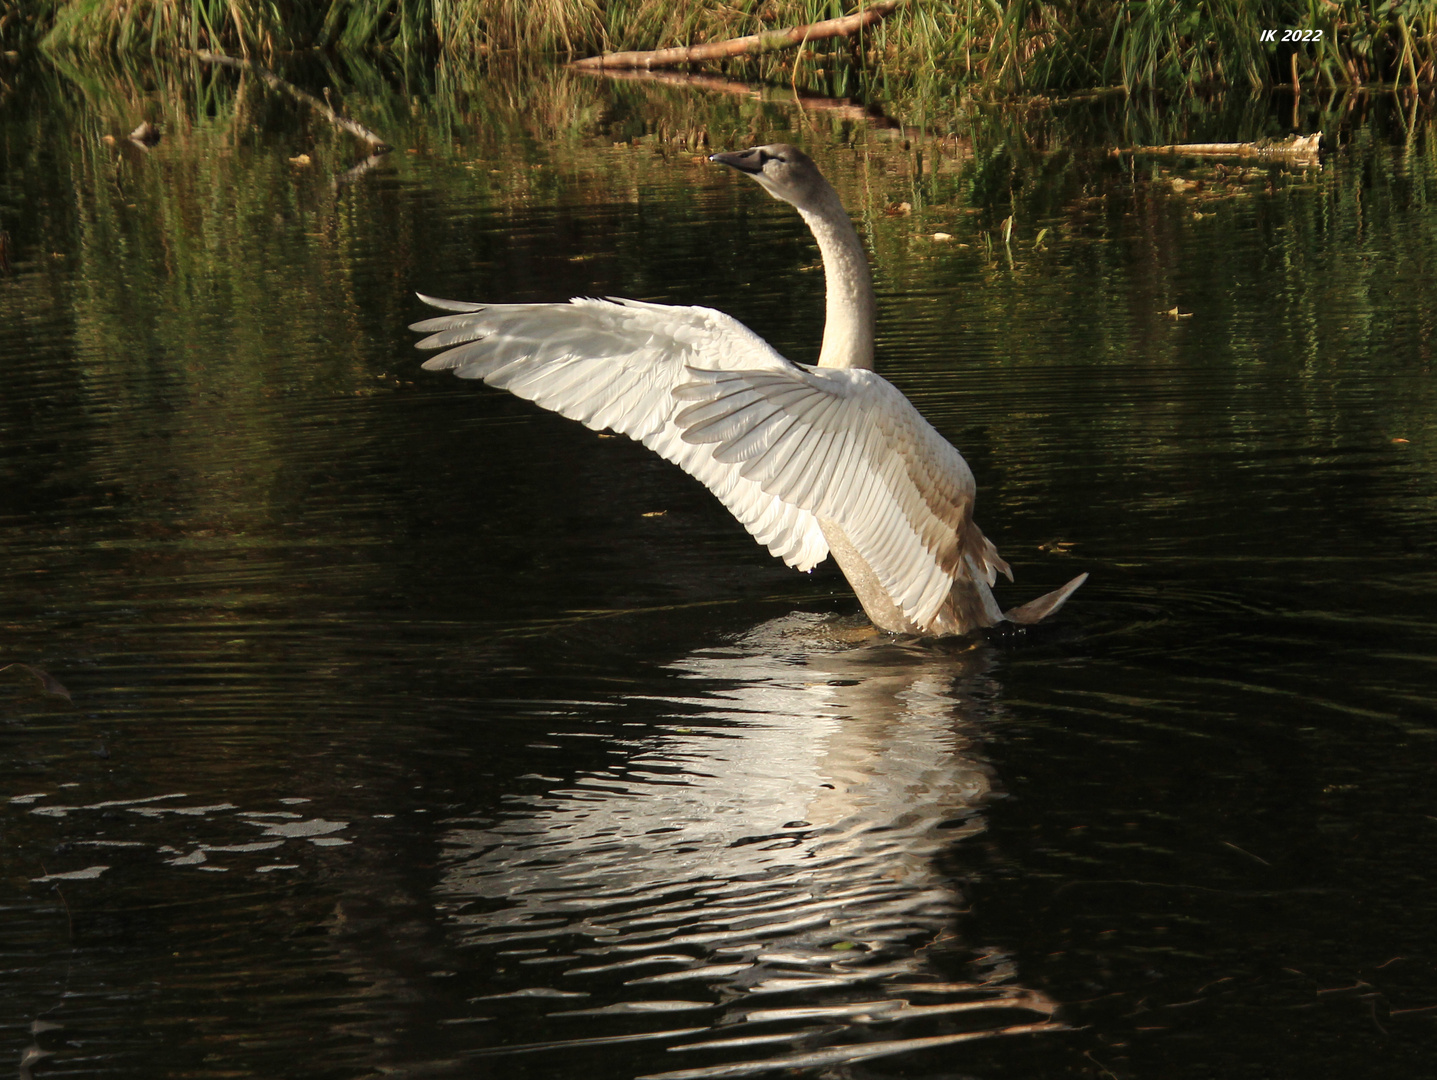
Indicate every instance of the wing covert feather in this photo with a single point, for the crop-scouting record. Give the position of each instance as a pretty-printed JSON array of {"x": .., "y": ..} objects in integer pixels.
[{"x": 848, "y": 447}]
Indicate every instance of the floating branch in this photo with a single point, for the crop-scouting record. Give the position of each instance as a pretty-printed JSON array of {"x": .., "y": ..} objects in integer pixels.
[
  {"x": 755, "y": 43},
  {"x": 1297, "y": 148},
  {"x": 276, "y": 83}
]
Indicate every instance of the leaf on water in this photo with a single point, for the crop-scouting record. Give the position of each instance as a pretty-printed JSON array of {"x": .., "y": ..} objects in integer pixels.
[{"x": 48, "y": 683}]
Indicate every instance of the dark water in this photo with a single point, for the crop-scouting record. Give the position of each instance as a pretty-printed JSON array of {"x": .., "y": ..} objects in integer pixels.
[{"x": 415, "y": 732}]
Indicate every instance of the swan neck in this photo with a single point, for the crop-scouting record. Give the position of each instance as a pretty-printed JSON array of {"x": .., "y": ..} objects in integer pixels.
[{"x": 848, "y": 325}]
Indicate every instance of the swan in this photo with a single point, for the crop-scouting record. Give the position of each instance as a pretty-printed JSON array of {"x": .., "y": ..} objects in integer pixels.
[{"x": 812, "y": 460}]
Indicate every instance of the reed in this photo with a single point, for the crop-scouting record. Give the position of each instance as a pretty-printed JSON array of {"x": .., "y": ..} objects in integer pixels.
[{"x": 995, "y": 47}]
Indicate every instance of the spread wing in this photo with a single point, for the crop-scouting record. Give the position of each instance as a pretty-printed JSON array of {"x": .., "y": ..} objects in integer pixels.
[
  {"x": 781, "y": 445},
  {"x": 615, "y": 365},
  {"x": 847, "y": 446}
]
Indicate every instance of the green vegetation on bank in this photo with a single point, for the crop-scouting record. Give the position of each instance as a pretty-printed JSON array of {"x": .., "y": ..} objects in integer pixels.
[{"x": 1017, "y": 46}]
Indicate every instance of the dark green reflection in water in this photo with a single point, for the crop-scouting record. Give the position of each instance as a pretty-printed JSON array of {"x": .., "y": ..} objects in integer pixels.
[{"x": 338, "y": 633}]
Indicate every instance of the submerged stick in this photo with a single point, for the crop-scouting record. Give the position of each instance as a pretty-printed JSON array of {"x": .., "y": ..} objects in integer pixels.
[
  {"x": 754, "y": 43},
  {"x": 276, "y": 83}
]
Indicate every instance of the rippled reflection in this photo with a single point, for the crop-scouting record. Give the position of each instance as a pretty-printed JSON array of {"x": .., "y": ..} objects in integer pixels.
[{"x": 767, "y": 865}]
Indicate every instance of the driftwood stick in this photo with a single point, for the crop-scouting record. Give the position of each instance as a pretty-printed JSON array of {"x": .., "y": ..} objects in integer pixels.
[
  {"x": 276, "y": 83},
  {"x": 754, "y": 43},
  {"x": 1298, "y": 146}
]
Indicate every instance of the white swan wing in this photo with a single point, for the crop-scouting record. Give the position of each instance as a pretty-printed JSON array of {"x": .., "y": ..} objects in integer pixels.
[
  {"x": 847, "y": 446},
  {"x": 614, "y": 365}
]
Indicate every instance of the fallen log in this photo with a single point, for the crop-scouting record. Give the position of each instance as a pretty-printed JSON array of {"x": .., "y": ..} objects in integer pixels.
[{"x": 754, "y": 43}]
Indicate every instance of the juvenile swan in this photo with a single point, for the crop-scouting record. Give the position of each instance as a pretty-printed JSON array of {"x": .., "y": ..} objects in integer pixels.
[{"x": 812, "y": 460}]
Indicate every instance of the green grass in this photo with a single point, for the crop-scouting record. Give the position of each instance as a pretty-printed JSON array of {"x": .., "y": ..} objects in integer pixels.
[{"x": 1018, "y": 47}]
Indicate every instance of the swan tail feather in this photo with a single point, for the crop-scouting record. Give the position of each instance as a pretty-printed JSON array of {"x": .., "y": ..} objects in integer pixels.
[{"x": 1039, "y": 609}]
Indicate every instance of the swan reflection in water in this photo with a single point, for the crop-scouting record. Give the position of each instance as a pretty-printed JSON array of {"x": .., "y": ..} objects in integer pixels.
[{"x": 758, "y": 884}]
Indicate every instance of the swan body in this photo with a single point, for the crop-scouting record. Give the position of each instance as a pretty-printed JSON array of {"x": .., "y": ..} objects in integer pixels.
[{"x": 812, "y": 460}]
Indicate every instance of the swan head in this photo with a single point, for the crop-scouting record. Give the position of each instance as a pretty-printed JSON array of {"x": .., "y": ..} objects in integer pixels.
[{"x": 784, "y": 171}]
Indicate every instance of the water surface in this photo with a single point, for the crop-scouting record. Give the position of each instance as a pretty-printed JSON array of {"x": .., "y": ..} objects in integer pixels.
[{"x": 415, "y": 731}]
